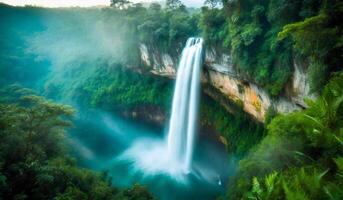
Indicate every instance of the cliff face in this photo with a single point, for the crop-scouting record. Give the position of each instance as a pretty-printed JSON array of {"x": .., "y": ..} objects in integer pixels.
[
  {"x": 220, "y": 73},
  {"x": 159, "y": 63}
]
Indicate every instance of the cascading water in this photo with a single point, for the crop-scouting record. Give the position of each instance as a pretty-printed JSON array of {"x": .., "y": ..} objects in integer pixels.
[
  {"x": 172, "y": 166},
  {"x": 174, "y": 157},
  {"x": 182, "y": 127}
]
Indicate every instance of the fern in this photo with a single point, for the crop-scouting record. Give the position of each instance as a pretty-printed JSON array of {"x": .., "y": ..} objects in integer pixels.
[
  {"x": 256, "y": 187},
  {"x": 270, "y": 181},
  {"x": 294, "y": 193}
]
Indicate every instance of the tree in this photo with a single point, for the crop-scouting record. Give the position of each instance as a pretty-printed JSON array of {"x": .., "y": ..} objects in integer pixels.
[
  {"x": 213, "y": 3},
  {"x": 120, "y": 4},
  {"x": 174, "y": 4},
  {"x": 156, "y": 7},
  {"x": 33, "y": 163}
]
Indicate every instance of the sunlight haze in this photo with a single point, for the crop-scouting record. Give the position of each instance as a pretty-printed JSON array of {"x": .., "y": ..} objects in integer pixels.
[{"x": 83, "y": 3}]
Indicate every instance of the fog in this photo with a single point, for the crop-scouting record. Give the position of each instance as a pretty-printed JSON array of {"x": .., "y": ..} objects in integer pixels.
[{"x": 70, "y": 47}]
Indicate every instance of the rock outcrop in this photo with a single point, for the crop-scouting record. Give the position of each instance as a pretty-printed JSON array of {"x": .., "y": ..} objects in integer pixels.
[
  {"x": 160, "y": 63},
  {"x": 220, "y": 73}
]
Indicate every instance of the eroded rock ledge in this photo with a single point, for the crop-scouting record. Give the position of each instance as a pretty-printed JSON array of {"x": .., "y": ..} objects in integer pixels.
[{"x": 220, "y": 73}]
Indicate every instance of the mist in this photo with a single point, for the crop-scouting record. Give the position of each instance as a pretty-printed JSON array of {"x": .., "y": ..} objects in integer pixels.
[{"x": 82, "y": 54}]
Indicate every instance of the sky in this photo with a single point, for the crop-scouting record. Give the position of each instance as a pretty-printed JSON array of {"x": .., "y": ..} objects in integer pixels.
[{"x": 83, "y": 3}]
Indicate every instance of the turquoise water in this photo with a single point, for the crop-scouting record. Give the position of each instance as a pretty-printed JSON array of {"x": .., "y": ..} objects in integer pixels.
[{"x": 133, "y": 152}]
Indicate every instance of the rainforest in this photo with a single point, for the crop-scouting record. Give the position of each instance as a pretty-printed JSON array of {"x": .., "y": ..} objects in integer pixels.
[{"x": 231, "y": 99}]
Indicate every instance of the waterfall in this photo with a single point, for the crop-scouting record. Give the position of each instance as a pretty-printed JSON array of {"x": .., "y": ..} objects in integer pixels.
[
  {"x": 182, "y": 126},
  {"x": 174, "y": 157}
]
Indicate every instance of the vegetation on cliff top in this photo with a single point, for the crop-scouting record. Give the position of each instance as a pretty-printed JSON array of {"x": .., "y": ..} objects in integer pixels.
[{"x": 257, "y": 35}]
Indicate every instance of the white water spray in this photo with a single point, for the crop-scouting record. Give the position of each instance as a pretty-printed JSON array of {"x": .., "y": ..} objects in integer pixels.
[
  {"x": 174, "y": 155},
  {"x": 182, "y": 127}
]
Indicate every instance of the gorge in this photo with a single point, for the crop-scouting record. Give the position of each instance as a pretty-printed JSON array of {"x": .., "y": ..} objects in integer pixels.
[{"x": 234, "y": 100}]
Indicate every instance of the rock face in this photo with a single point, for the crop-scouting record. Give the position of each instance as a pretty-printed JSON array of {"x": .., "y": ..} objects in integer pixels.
[
  {"x": 299, "y": 89},
  {"x": 161, "y": 63},
  {"x": 220, "y": 73}
]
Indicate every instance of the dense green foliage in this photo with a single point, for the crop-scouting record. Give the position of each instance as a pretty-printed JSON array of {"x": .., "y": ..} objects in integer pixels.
[
  {"x": 33, "y": 163},
  {"x": 319, "y": 38},
  {"x": 240, "y": 131},
  {"x": 127, "y": 89},
  {"x": 165, "y": 29},
  {"x": 301, "y": 156},
  {"x": 111, "y": 87},
  {"x": 94, "y": 63},
  {"x": 256, "y": 33},
  {"x": 264, "y": 38}
]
